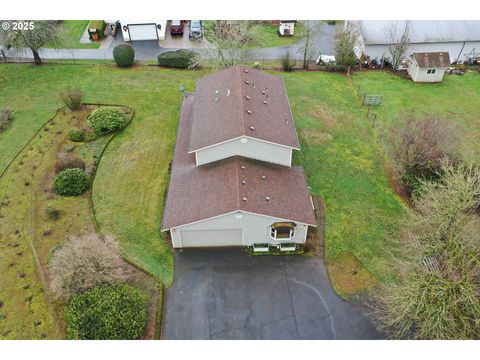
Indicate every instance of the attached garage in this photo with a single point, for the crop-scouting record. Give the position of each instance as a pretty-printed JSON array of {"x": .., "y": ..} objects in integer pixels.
[
  {"x": 143, "y": 30},
  {"x": 201, "y": 238}
]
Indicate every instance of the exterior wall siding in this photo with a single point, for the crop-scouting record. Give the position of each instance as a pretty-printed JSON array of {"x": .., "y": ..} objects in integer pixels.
[
  {"x": 255, "y": 228},
  {"x": 422, "y": 76},
  {"x": 252, "y": 148},
  {"x": 454, "y": 49}
]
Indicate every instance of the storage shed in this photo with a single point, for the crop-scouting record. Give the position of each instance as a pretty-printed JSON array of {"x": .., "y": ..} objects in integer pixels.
[
  {"x": 287, "y": 27},
  {"x": 428, "y": 67}
]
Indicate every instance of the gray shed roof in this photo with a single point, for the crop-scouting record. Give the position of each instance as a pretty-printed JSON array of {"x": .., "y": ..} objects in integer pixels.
[
  {"x": 377, "y": 32},
  {"x": 432, "y": 59}
]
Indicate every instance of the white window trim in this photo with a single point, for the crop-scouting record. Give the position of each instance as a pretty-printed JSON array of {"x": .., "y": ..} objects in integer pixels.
[{"x": 273, "y": 234}]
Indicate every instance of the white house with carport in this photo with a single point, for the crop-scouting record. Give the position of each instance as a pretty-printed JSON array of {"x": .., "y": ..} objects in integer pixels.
[
  {"x": 459, "y": 38},
  {"x": 136, "y": 30},
  {"x": 428, "y": 67},
  {"x": 236, "y": 200}
]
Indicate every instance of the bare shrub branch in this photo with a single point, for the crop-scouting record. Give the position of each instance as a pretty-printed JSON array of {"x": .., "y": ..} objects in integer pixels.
[{"x": 84, "y": 262}]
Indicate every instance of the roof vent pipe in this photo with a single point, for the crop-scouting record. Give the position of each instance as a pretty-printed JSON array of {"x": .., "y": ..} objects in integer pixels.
[
  {"x": 252, "y": 128},
  {"x": 247, "y": 82},
  {"x": 246, "y": 70},
  {"x": 247, "y": 97},
  {"x": 264, "y": 177},
  {"x": 249, "y": 112},
  {"x": 267, "y": 198},
  {"x": 244, "y": 182},
  {"x": 265, "y": 102},
  {"x": 243, "y": 167},
  {"x": 244, "y": 199}
]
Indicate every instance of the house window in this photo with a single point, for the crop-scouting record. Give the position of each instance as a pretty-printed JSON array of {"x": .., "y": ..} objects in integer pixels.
[
  {"x": 282, "y": 230},
  {"x": 431, "y": 71}
]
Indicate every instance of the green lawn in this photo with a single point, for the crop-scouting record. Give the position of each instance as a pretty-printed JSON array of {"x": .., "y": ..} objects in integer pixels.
[
  {"x": 129, "y": 188},
  {"x": 455, "y": 99},
  {"x": 74, "y": 30},
  {"x": 344, "y": 165},
  {"x": 268, "y": 33}
]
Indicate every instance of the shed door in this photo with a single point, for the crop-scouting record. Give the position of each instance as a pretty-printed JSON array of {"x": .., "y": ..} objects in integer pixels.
[
  {"x": 143, "y": 32},
  {"x": 197, "y": 238}
]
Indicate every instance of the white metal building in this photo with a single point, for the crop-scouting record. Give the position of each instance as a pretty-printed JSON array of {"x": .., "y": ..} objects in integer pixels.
[{"x": 457, "y": 37}]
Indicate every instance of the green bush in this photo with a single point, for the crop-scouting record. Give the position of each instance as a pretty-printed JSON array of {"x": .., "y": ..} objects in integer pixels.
[
  {"x": 182, "y": 59},
  {"x": 70, "y": 182},
  {"x": 72, "y": 98},
  {"x": 52, "y": 212},
  {"x": 106, "y": 120},
  {"x": 69, "y": 163},
  {"x": 123, "y": 55},
  {"x": 288, "y": 64},
  {"x": 5, "y": 117},
  {"x": 76, "y": 134},
  {"x": 107, "y": 313}
]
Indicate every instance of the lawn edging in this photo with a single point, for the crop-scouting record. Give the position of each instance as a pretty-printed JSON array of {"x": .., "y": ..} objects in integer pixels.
[{"x": 161, "y": 288}]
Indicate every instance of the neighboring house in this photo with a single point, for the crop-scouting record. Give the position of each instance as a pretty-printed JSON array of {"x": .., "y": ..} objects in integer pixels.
[
  {"x": 460, "y": 38},
  {"x": 143, "y": 30},
  {"x": 242, "y": 112},
  {"x": 235, "y": 201},
  {"x": 428, "y": 67}
]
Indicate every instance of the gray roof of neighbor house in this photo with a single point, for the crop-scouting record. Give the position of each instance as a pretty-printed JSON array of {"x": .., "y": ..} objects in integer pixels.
[
  {"x": 377, "y": 32},
  {"x": 240, "y": 101},
  {"x": 198, "y": 193},
  {"x": 432, "y": 59}
]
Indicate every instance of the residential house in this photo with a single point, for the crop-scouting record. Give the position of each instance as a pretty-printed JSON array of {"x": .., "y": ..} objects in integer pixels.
[{"x": 243, "y": 191}]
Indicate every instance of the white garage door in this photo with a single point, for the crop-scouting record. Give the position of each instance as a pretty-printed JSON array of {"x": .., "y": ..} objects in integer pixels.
[
  {"x": 196, "y": 238},
  {"x": 143, "y": 32}
]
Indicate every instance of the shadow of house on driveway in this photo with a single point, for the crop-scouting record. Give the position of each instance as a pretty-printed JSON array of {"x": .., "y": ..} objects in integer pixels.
[{"x": 226, "y": 294}]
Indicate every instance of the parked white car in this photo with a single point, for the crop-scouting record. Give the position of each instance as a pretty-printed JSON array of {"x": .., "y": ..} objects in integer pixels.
[{"x": 326, "y": 59}]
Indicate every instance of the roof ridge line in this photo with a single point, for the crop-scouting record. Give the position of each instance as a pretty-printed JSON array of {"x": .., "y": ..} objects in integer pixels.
[
  {"x": 237, "y": 185},
  {"x": 242, "y": 99}
]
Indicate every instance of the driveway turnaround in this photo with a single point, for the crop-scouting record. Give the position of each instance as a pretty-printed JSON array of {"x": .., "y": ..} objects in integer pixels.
[{"x": 227, "y": 294}]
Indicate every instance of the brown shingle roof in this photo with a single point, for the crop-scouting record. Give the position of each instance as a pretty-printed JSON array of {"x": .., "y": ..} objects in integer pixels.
[
  {"x": 197, "y": 193},
  {"x": 234, "y": 100},
  {"x": 432, "y": 59}
]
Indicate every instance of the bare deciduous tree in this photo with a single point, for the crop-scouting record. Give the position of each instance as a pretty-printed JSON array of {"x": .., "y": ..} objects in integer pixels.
[
  {"x": 437, "y": 292},
  {"x": 84, "y": 262},
  {"x": 229, "y": 43},
  {"x": 418, "y": 148},
  {"x": 310, "y": 28},
  {"x": 42, "y": 33},
  {"x": 399, "y": 41}
]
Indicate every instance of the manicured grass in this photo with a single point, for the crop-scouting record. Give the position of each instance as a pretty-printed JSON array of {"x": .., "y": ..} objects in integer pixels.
[
  {"x": 74, "y": 30},
  {"x": 344, "y": 165},
  {"x": 455, "y": 99},
  {"x": 268, "y": 33},
  {"x": 132, "y": 176}
]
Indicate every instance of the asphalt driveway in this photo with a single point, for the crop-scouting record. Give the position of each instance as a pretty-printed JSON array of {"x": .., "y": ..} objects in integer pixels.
[{"x": 226, "y": 294}]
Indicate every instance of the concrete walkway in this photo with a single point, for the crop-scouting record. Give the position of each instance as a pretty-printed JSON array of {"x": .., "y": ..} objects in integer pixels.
[{"x": 323, "y": 42}]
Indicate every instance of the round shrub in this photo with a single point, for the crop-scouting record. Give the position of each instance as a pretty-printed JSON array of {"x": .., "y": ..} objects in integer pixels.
[
  {"x": 70, "y": 182},
  {"x": 69, "y": 163},
  {"x": 107, "y": 313},
  {"x": 76, "y": 134},
  {"x": 177, "y": 59},
  {"x": 106, "y": 120},
  {"x": 123, "y": 55}
]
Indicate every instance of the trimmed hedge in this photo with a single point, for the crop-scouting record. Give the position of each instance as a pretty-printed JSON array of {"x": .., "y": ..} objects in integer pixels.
[
  {"x": 123, "y": 55},
  {"x": 106, "y": 120},
  {"x": 107, "y": 313},
  {"x": 70, "y": 182},
  {"x": 182, "y": 59}
]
